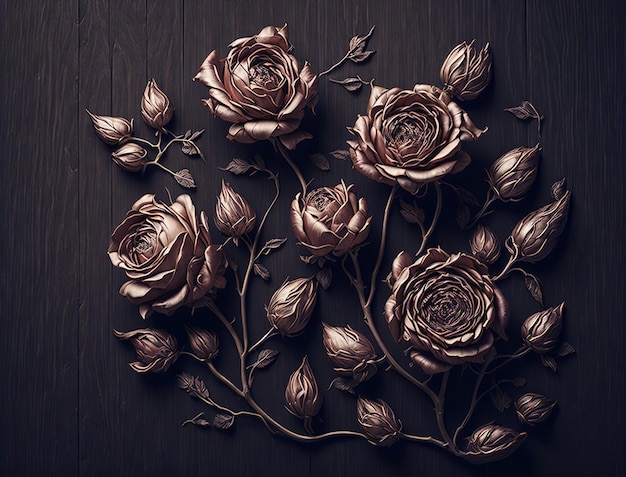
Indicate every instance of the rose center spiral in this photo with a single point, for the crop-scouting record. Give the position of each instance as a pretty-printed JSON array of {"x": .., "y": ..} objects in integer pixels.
[
  {"x": 143, "y": 242},
  {"x": 320, "y": 199},
  {"x": 404, "y": 131},
  {"x": 264, "y": 76}
]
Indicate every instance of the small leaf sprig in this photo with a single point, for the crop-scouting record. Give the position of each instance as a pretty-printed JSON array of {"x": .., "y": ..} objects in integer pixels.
[
  {"x": 356, "y": 52},
  {"x": 132, "y": 156}
]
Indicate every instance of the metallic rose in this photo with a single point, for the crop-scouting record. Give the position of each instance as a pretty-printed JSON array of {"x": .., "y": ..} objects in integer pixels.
[
  {"x": 541, "y": 331},
  {"x": 491, "y": 442},
  {"x": 291, "y": 306},
  {"x": 261, "y": 88},
  {"x": 302, "y": 394},
  {"x": 378, "y": 422},
  {"x": 350, "y": 351},
  {"x": 233, "y": 215},
  {"x": 203, "y": 343},
  {"x": 512, "y": 174},
  {"x": 484, "y": 244},
  {"x": 467, "y": 72},
  {"x": 446, "y": 307},
  {"x": 112, "y": 130},
  {"x": 411, "y": 137},
  {"x": 533, "y": 408},
  {"x": 167, "y": 254},
  {"x": 130, "y": 157},
  {"x": 156, "y": 108},
  {"x": 156, "y": 349},
  {"x": 330, "y": 219}
]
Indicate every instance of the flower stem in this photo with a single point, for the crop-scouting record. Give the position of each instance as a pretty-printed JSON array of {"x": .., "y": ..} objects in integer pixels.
[
  {"x": 271, "y": 332},
  {"x": 428, "y": 439},
  {"x": 507, "y": 268},
  {"x": 336, "y": 65},
  {"x": 473, "y": 402},
  {"x": 283, "y": 151},
  {"x": 433, "y": 224},
  {"x": 490, "y": 199}
]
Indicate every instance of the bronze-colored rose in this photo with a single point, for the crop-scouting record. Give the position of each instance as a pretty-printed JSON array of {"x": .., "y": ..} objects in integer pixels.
[
  {"x": 484, "y": 244},
  {"x": 541, "y": 331},
  {"x": 204, "y": 343},
  {"x": 378, "y": 422},
  {"x": 291, "y": 306},
  {"x": 351, "y": 352},
  {"x": 112, "y": 130},
  {"x": 156, "y": 108},
  {"x": 130, "y": 157},
  {"x": 490, "y": 442},
  {"x": 411, "y": 137},
  {"x": 330, "y": 220},
  {"x": 302, "y": 394},
  {"x": 233, "y": 215},
  {"x": 156, "y": 349},
  {"x": 467, "y": 72},
  {"x": 261, "y": 88},
  {"x": 512, "y": 174},
  {"x": 533, "y": 408},
  {"x": 167, "y": 254},
  {"x": 536, "y": 235},
  {"x": 446, "y": 307}
]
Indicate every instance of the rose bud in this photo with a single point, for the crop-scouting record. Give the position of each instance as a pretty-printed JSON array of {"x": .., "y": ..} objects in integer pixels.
[
  {"x": 155, "y": 106},
  {"x": 233, "y": 215},
  {"x": 467, "y": 72},
  {"x": 484, "y": 244},
  {"x": 130, "y": 157},
  {"x": 302, "y": 394},
  {"x": 512, "y": 174},
  {"x": 351, "y": 352},
  {"x": 534, "y": 237},
  {"x": 291, "y": 306},
  {"x": 112, "y": 130},
  {"x": 378, "y": 422},
  {"x": 490, "y": 442},
  {"x": 541, "y": 331},
  {"x": 156, "y": 349},
  {"x": 330, "y": 220},
  {"x": 533, "y": 408},
  {"x": 203, "y": 343}
]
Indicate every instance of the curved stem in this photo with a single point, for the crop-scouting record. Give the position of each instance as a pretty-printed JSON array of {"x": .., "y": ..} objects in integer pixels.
[
  {"x": 161, "y": 166},
  {"x": 336, "y": 65},
  {"x": 428, "y": 439},
  {"x": 523, "y": 351},
  {"x": 433, "y": 224},
  {"x": 283, "y": 151},
  {"x": 162, "y": 151},
  {"x": 507, "y": 268},
  {"x": 491, "y": 198},
  {"x": 229, "y": 327},
  {"x": 271, "y": 332},
  {"x": 143, "y": 141},
  {"x": 473, "y": 402}
]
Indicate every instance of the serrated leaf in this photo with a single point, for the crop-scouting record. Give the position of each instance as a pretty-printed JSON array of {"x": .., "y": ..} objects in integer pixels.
[
  {"x": 463, "y": 215},
  {"x": 189, "y": 149},
  {"x": 223, "y": 421},
  {"x": 411, "y": 212},
  {"x": 196, "y": 135},
  {"x": 237, "y": 166},
  {"x": 549, "y": 362},
  {"x": 500, "y": 399},
  {"x": 320, "y": 161},
  {"x": 518, "y": 382},
  {"x": 359, "y": 57},
  {"x": 341, "y": 154},
  {"x": 565, "y": 349},
  {"x": 558, "y": 189},
  {"x": 341, "y": 383},
  {"x": 193, "y": 385},
  {"x": 261, "y": 271},
  {"x": 357, "y": 43},
  {"x": 273, "y": 244},
  {"x": 534, "y": 287},
  {"x": 198, "y": 420},
  {"x": 351, "y": 84},
  {"x": 324, "y": 277},
  {"x": 185, "y": 179},
  {"x": 524, "y": 111},
  {"x": 264, "y": 358},
  {"x": 185, "y": 381}
]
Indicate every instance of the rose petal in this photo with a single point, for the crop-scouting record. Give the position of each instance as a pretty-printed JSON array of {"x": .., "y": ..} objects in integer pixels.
[{"x": 428, "y": 364}]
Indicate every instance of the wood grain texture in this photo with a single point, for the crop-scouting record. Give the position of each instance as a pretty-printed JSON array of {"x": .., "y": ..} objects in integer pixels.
[{"x": 70, "y": 403}]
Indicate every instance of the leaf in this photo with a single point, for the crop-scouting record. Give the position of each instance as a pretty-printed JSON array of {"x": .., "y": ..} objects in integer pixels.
[
  {"x": 411, "y": 212},
  {"x": 463, "y": 215},
  {"x": 320, "y": 161},
  {"x": 534, "y": 287},
  {"x": 341, "y": 154},
  {"x": 185, "y": 179},
  {"x": 518, "y": 382},
  {"x": 343, "y": 384},
  {"x": 197, "y": 421},
  {"x": 261, "y": 271},
  {"x": 196, "y": 135},
  {"x": 309, "y": 259},
  {"x": 357, "y": 43},
  {"x": 361, "y": 56},
  {"x": 549, "y": 362},
  {"x": 193, "y": 385},
  {"x": 351, "y": 84},
  {"x": 237, "y": 166},
  {"x": 565, "y": 349},
  {"x": 465, "y": 195},
  {"x": 500, "y": 399},
  {"x": 272, "y": 244},
  {"x": 324, "y": 277},
  {"x": 558, "y": 189},
  {"x": 189, "y": 149},
  {"x": 525, "y": 111},
  {"x": 223, "y": 421},
  {"x": 264, "y": 358}
]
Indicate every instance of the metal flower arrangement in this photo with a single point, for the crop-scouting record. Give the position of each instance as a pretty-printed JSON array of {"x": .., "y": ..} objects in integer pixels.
[{"x": 444, "y": 308}]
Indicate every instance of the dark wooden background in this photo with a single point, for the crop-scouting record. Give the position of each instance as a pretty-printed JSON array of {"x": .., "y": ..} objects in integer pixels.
[{"x": 69, "y": 403}]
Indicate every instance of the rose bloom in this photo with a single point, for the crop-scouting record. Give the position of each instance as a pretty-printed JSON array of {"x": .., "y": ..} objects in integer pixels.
[
  {"x": 330, "y": 220},
  {"x": 260, "y": 87},
  {"x": 446, "y": 307},
  {"x": 167, "y": 254},
  {"x": 411, "y": 137}
]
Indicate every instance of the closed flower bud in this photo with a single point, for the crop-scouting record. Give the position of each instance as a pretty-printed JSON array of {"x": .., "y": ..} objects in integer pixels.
[
  {"x": 534, "y": 237},
  {"x": 155, "y": 106},
  {"x": 351, "y": 352},
  {"x": 156, "y": 349},
  {"x": 302, "y": 394},
  {"x": 378, "y": 422},
  {"x": 130, "y": 157},
  {"x": 533, "y": 408},
  {"x": 490, "y": 442},
  {"x": 467, "y": 72},
  {"x": 512, "y": 174},
  {"x": 233, "y": 215},
  {"x": 541, "y": 331},
  {"x": 203, "y": 343},
  {"x": 112, "y": 130},
  {"x": 484, "y": 244},
  {"x": 291, "y": 306}
]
